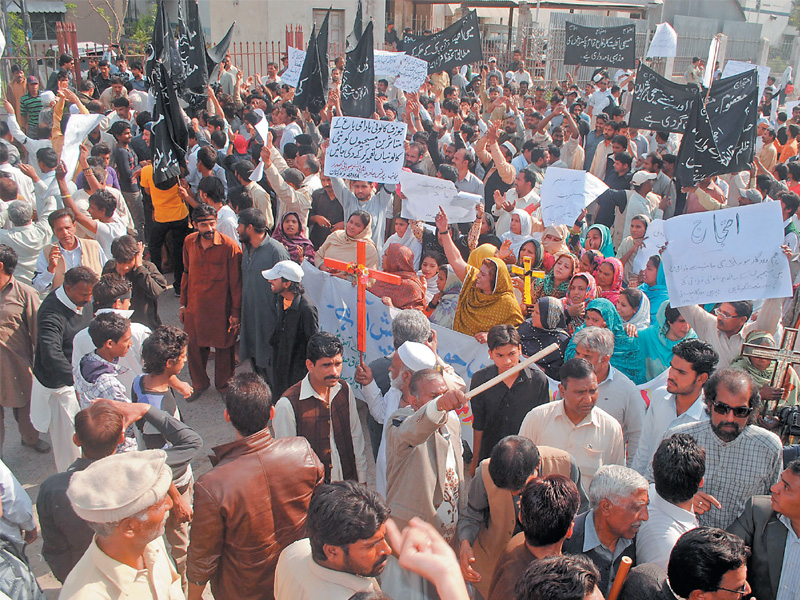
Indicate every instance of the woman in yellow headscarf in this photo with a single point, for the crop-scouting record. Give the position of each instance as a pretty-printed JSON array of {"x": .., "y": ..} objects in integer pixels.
[{"x": 487, "y": 296}]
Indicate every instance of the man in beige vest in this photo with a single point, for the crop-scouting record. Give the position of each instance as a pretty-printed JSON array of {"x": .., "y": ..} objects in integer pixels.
[
  {"x": 489, "y": 519},
  {"x": 70, "y": 251}
]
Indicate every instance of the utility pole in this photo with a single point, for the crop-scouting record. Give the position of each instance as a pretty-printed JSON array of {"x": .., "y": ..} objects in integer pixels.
[{"x": 5, "y": 70}]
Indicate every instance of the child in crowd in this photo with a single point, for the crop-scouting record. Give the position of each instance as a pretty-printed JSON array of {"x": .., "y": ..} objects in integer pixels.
[
  {"x": 629, "y": 247},
  {"x": 429, "y": 272}
]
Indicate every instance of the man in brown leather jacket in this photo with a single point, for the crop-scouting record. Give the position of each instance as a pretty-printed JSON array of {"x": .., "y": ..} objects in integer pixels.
[{"x": 253, "y": 503}]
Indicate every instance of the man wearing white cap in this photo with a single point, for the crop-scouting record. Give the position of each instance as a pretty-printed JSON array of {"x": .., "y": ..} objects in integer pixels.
[
  {"x": 425, "y": 469},
  {"x": 124, "y": 499},
  {"x": 297, "y": 321}
]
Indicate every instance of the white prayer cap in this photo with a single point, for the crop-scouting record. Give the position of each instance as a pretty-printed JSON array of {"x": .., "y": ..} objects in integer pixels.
[
  {"x": 73, "y": 109},
  {"x": 120, "y": 485},
  {"x": 259, "y": 112},
  {"x": 641, "y": 176},
  {"x": 754, "y": 196},
  {"x": 288, "y": 269},
  {"x": 416, "y": 356},
  {"x": 510, "y": 147},
  {"x": 48, "y": 98}
]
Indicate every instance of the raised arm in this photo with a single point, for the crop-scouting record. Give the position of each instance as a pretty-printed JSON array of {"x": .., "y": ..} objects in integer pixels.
[{"x": 446, "y": 240}]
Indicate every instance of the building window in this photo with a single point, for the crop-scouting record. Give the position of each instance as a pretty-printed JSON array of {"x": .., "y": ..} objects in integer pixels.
[
  {"x": 336, "y": 33},
  {"x": 43, "y": 24}
]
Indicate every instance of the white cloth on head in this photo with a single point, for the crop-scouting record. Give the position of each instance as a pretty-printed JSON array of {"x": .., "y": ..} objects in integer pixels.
[
  {"x": 416, "y": 356},
  {"x": 517, "y": 239},
  {"x": 641, "y": 318}
]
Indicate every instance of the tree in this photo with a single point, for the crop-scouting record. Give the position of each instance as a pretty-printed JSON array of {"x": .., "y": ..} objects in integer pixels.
[
  {"x": 114, "y": 19},
  {"x": 794, "y": 14},
  {"x": 141, "y": 30}
]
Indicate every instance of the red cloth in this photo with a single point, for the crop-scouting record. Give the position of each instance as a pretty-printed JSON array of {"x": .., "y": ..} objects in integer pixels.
[{"x": 410, "y": 293}]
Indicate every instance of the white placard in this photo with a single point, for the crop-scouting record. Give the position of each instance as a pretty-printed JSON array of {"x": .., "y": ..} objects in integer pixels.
[
  {"x": 424, "y": 195},
  {"x": 565, "y": 193},
  {"x": 292, "y": 73},
  {"x": 735, "y": 67},
  {"x": 78, "y": 127},
  {"x": 664, "y": 42},
  {"x": 413, "y": 72},
  {"x": 713, "y": 53},
  {"x": 387, "y": 64},
  {"x": 262, "y": 127},
  {"x": 366, "y": 149},
  {"x": 654, "y": 239},
  {"x": 726, "y": 255}
]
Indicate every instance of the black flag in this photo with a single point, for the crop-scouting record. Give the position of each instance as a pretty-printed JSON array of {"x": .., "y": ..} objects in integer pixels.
[
  {"x": 600, "y": 46},
  {"x": 169, "y": 137},
  {"x": 192, "y": 47},
  {"x": 358, "y": 79},
  {"x": 312, "y": 87},
  {"x": 358, "y": 29},
  {"x": 459, "y": 44},
  {"x": 724, "y": 133},
  {"x": 661, "y": 104},
  {"x": 215, "y": 54},
  {"x": 164, "y": 48}
]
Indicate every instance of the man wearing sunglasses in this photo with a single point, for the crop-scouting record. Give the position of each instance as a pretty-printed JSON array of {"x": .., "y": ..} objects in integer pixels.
[
  {"x": 770, "y": 526},
  {"x": 742, "y": 459},
  {"x": 728, "y": 326}
]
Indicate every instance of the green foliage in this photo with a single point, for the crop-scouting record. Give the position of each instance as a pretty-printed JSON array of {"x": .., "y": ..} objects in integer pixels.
[
  {"x": 141, "y": 30},
  {"x": 794, "y": 14},
  {"x": 15, "y": 45}
]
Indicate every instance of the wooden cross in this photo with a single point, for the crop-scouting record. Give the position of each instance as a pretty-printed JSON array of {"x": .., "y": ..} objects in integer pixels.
[
  {"x": 783, "y": 356},
  {"x": 363, "y": 275},
  {"x": 527, "y": 273}
]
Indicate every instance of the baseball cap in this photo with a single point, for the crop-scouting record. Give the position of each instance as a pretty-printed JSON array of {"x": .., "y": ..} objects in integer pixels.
[
  {"x": 32, "y": 79},
  {"x": 492, "y": 59},
  {"x": 641, "y": 176},
  {"x": 288, "y": 269},
  {"x": 239, "y": 143}
]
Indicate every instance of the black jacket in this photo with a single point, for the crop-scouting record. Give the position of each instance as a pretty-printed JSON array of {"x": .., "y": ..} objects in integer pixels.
[
  {"x": 57, "y": 325},
  {"x": 292, "y": 330}
]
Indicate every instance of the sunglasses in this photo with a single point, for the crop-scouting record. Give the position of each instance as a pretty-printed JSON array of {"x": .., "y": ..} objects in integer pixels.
[{"x": 740, "y": 412}]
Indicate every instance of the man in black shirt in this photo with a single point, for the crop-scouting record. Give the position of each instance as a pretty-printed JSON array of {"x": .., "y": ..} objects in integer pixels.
[
  {"x": 326, "y": 214},
  {"x": 499, "y": 411}
]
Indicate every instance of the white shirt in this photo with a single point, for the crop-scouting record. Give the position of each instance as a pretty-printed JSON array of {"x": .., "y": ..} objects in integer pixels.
[
  {"x": 284, "y": 425},
  {"x": 27, "y": 241},
  {"x": 290, "y": 132},
  {"x": 25, "y": 187},
  {"x": 227, "y": 222},
  {"x": 789, "y": 586},
  {"x": 299, "y": 577},
  {"x": 659, "y": 418},
  {"x": 108, "y": 232},
  {"x": 594, "y": 442},
  {"x": 658, "y": 535},
  {"x": 17, "y": 506},
  {"x": 598, "y": 101},
  {"x": 620, "y": 398},
  {"x": 380, "y": 407}
]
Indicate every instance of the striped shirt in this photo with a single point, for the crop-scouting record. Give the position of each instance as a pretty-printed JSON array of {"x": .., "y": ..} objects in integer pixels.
[
  {"x": 737, "y": 470},
  {"x": 789, "y": 586},
  {"x": 30, "y": 107}
]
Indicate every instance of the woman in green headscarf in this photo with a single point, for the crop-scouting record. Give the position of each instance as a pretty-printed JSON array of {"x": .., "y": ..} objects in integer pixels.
[
  {"x": 598, "y": 237},
  {"x": 627, "y": 357},
  {"x": 656, "y": 341}
]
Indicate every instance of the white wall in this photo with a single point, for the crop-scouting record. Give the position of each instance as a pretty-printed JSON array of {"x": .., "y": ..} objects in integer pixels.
[
  {"x": 266, "y": 20},
  {"x": 774, "y": 16}
]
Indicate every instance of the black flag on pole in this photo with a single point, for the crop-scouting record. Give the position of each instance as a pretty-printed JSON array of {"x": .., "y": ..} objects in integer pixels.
[
  {"x": 459, "y": 44},
  {"x": 169, "y": 136},
  {"x": 723, "y": 136},
  {"x": 358, "y": 30},
  {"x": 215, "y": 54},
  {"x": 358, "y": 79},
  {"x": 312, "y": 87},
  {"x": 192, "y": 47},
  {"x": 164, "y": 48},
  {"x": 661, "y": 104}
]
